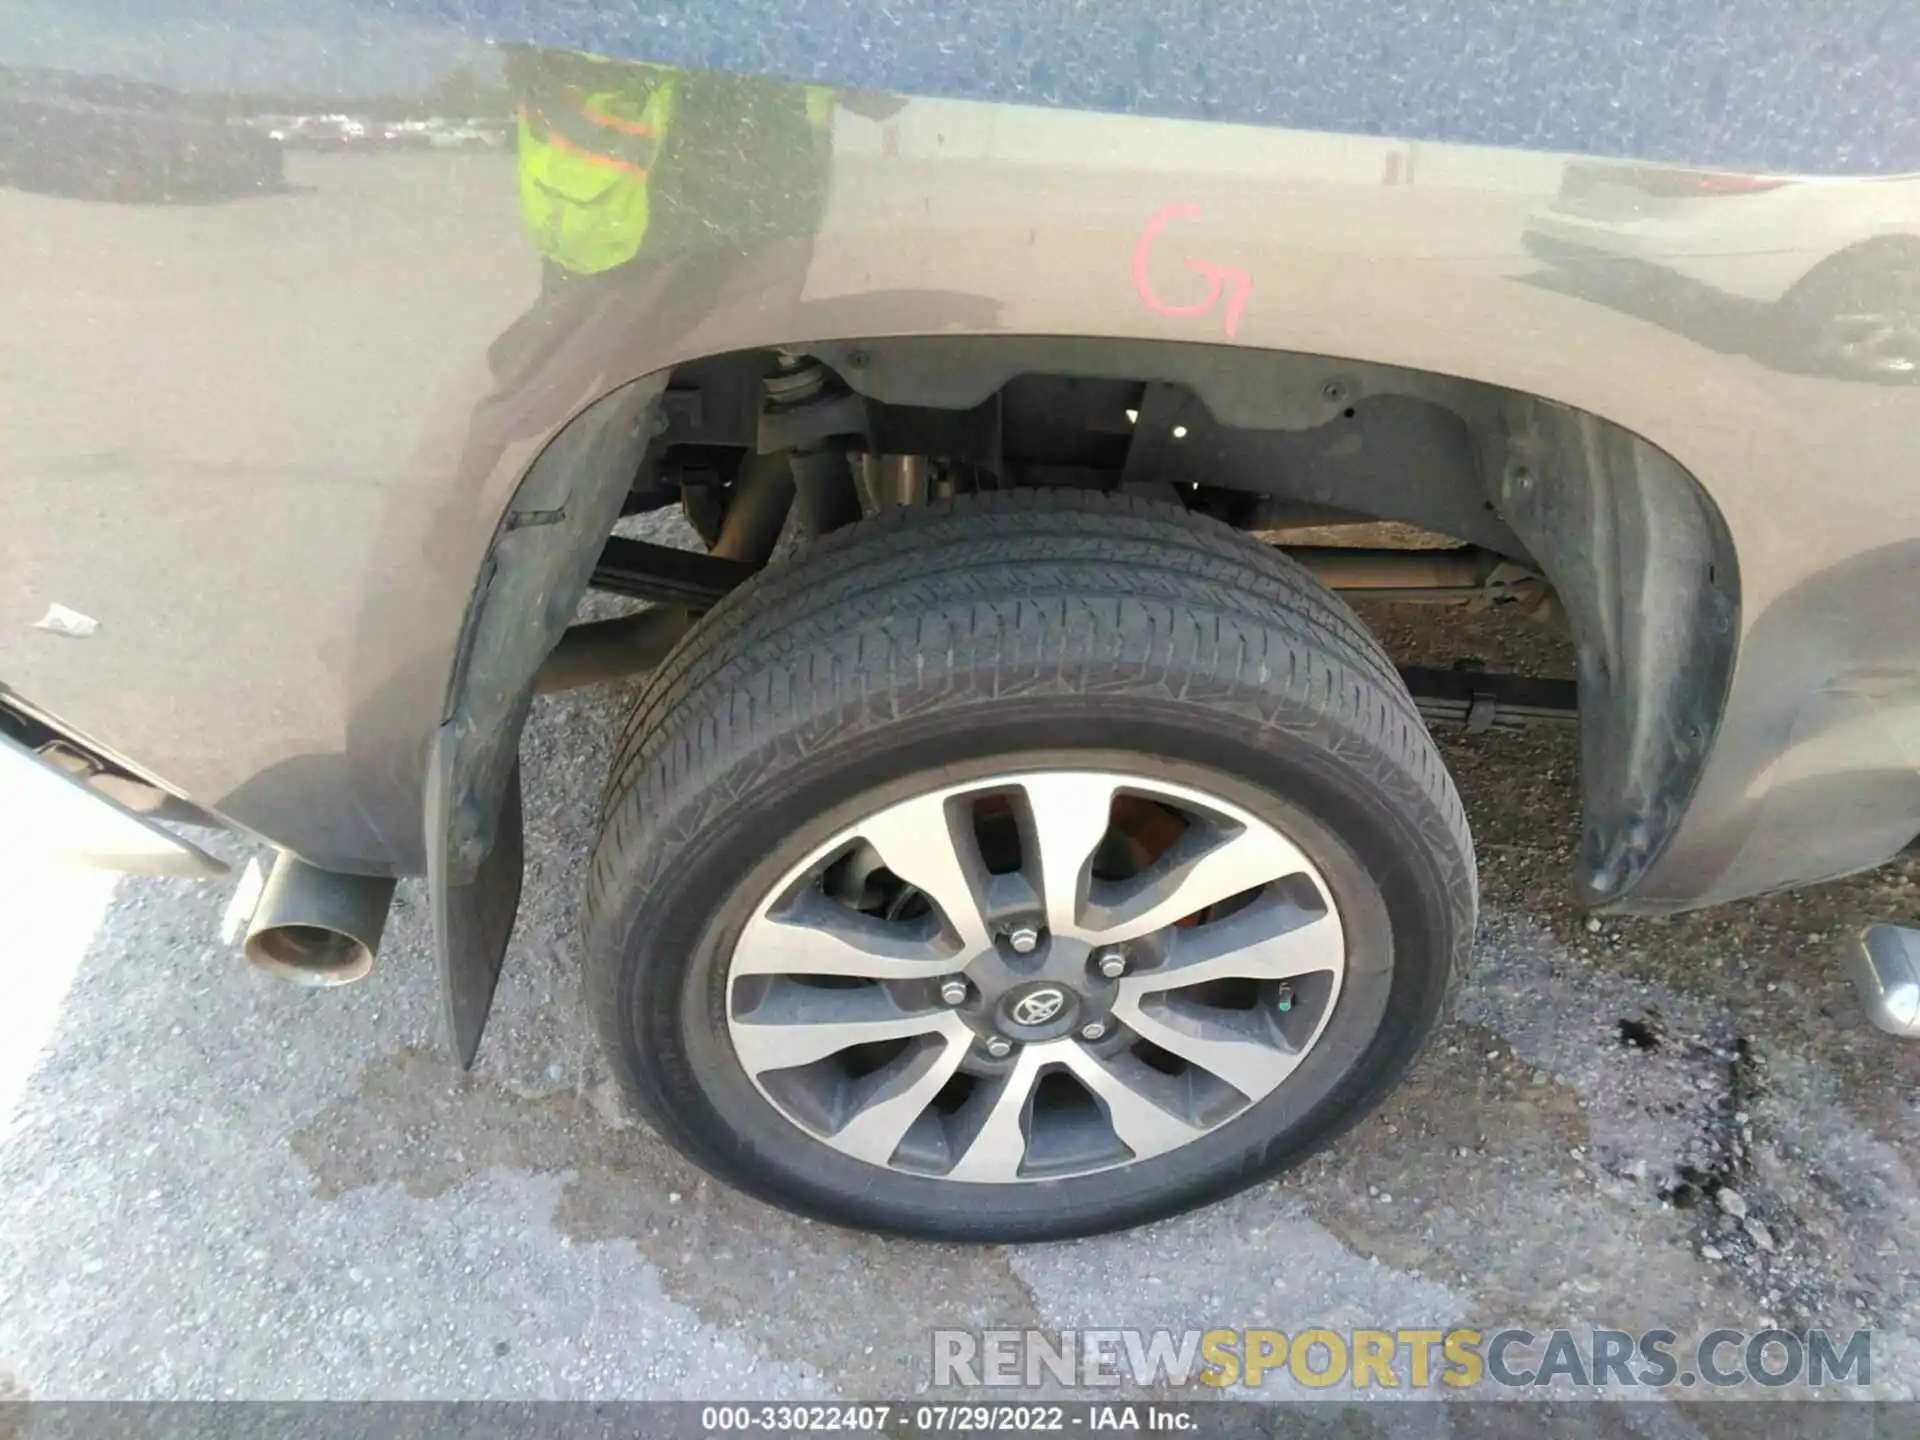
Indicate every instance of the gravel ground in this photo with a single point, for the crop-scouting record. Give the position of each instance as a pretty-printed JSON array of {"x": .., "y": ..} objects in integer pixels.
[{"x": 214, "y": 1185}]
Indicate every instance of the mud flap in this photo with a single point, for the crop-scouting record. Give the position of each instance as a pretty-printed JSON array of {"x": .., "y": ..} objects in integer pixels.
[{"x": 472, "y": 921}]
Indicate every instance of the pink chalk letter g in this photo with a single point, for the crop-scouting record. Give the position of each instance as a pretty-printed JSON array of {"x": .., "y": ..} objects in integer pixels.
[{"x": 1222, "y": 280}]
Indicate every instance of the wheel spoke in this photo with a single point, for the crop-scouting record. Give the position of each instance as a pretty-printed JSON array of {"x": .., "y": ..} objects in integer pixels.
[
  {"x": 931, "y": 847},
  {"x": 875, "y": 1130},
  {"x": 1205, "y": 866},
  {"x": 1272, "y": 939},
  {"x": 816, "y": 937},
  {"x": 798, "y": 1024},
  {"x": 998, "y": 1144},
  {"x": 1069, "y": 815},
  {"x": 1145, "y": 1124},
  {"x": 1238, "y": 1056},
  {"x": 875, "y": 1070}
]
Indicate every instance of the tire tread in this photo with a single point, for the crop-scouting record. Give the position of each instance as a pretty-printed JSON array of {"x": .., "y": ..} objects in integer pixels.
[{"x": 1001, "y": 594}]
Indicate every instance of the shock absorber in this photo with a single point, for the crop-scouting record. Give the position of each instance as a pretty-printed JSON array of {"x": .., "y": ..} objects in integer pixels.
[{"x": 812, "y": 416}]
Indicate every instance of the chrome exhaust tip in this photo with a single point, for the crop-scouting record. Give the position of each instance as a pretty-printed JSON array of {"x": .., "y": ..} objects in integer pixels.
[
  {"x": 1885, "y": 964},
  {"x": 318, "y": 927}
]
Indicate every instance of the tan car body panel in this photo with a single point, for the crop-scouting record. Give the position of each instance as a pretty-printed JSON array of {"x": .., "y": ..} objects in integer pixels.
[{"x": 261, "y": 444}]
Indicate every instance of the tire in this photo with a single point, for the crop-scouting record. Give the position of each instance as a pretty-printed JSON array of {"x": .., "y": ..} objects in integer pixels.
[
  {"x": 1000, "y": 650},
  {"x": 1856, "y": 315}
]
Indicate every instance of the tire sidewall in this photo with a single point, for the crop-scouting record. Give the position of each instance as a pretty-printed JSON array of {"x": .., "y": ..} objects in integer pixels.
[{"x": 1385, "y": 853}]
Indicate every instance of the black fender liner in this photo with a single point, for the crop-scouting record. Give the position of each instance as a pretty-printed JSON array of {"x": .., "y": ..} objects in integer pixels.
[
  {"x": 537, "y": 568},
  {"x": 472, "y": 919},
  {"x": 1641, "y": 558}
]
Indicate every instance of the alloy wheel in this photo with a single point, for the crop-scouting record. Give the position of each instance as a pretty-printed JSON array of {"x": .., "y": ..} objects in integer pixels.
[{"x": 1034, "y": 975}]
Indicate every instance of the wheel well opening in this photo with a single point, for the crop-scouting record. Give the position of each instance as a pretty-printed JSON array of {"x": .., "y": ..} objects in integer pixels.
[
  {"x": 1261, "y": 441},
  {"x": 1389, "y": 483}
]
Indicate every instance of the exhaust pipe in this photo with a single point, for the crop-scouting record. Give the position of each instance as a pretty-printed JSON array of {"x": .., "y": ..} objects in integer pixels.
[
  {"x": 318, "y": 927},
  {"x": 1886, "y": 976}
]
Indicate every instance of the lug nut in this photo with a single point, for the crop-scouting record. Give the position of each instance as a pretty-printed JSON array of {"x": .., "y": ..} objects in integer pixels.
[
  {"x": 1024, "y": 939},
  {"x": 999, "y": 1047},
  {"x": 1112, "y": 964},
  {"x": 1093, "y": 1030},
  {"x": 954, "y": 992}
]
